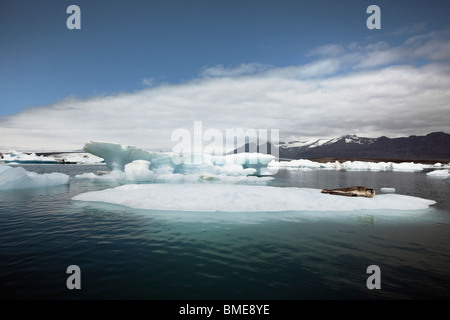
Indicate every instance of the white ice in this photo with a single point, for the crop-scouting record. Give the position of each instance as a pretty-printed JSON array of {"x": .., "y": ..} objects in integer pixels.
[
  {"x": 130, "y": 163},
  {"x": 22, "y": 157},
  {"x": 139, "y": 170},
  {"x": 302, "y": 163},
  {"x": 19, "y": 178},
  {"x": 3, "y": 168},
  {"x": 244, "y": 198},
  {"x": 444, "y": 173},
  {"x": 77, "y": 157},
  {"x": 68, "y": 157},
  {"x": 350, "y": 165},
  {"x": 169, "y": 167},
  {"x": 367, "y": 166},
  {"x": 408, "y": 166}
]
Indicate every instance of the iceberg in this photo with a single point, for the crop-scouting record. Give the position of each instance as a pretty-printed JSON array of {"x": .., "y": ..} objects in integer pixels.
[
  {"x": 19, "y": 178},
  {"x": 68, "y": 157},
  {"x": 349, "y": 165},
  {"x": 443, "y": 174},
  {"x": 138, "y": 170},
  {"x": 387, "y": 190},
  {"x": 408, "y": 167},
  {"x": 367, "y": 166},
  {"x": 246, "y": 159},
  {"x": 302, "y": 164},
  {"x": 116, "y": 156},
  {"x": 77, "y": 157},
  {"x": 244, "y": 198},
  {"x": 21, "y": 157},
  {"x": 115, "y": 175},
  {"x": 135, "y": 164}
]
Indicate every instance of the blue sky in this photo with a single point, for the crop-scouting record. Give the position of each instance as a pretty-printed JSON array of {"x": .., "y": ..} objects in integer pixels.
[
  {"x": 123, "y": 42},
  {"x": 127, "y": 47}
]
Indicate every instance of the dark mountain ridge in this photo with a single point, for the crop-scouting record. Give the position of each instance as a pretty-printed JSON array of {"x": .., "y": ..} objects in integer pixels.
[{"x": 433, "y": 146}]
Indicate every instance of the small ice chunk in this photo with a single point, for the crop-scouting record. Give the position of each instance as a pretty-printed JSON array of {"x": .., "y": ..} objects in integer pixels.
[
  {"x": 138, "y": 170},
  {"x": 116, "y": 156},
  {"x": 388, "y": 190},
  {"x": 236, "y": 170},
  {"x": 367, "y": 166},
  {"x": 301, "y": 163},
  {"x": 439, "y": 173},
  {"x": 19, "y": 178},
  {"x": 115, "y": 175},
  {"x": 407, "y": 167}
]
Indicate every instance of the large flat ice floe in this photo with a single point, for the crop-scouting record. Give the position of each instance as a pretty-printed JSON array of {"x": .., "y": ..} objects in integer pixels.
[
  {"x": 244, "y": 198},
  {"x": 19, "y": 178}
]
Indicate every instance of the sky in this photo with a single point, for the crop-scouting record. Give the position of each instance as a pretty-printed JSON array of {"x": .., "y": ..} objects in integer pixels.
[{"x": 137, "y": 71}]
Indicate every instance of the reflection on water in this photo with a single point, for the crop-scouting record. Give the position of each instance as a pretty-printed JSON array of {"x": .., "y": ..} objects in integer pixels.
[{"x": 366, "y": 219}]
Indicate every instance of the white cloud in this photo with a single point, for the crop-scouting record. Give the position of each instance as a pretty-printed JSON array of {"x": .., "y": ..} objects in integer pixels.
[
  {"x": 242, "y": 69},
  {"x": 329, "y": 50},
  {"x": 148, "y": 82},
  {"x": 409, "y": 29},
  {"x": 355, "y": 91},
  {"x": 315, "y": 69}
]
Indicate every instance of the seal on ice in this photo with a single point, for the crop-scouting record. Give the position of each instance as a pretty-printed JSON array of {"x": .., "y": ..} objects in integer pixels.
[{"x": 357, "y": 191}]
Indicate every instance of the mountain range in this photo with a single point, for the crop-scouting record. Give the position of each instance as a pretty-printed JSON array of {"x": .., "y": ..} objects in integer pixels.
[{"x": 431, "y": 147}]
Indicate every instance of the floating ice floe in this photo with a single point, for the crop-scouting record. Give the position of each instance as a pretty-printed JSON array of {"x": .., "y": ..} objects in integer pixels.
[
  {"x": 367, "y": 166},
  {"x": 135, "y": 164},
  {"x": 19, "y": 178},
  {"x": 78, "y": 158},
  {"x": 350, "y": 165},
  {"x": 408, "y": 167},
  {"x": 444, "y": 173},
  {"x": 387, "y": 190},
  {"x": 304, "y": 164},
  {"x": 244, "y": 198},
  {"x": 21, "y": 157},
  {"x": 16, "y": 157}
]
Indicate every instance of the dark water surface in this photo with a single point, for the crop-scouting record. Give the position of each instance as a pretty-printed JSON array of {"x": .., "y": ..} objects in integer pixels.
[{"x": 137, "y": 254}]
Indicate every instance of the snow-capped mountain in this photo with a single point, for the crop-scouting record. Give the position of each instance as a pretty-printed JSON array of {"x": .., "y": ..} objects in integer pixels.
[
  {"x": 434, "y": 146},
  {"x": 314, "y": 143},
  {"x": 304, "y": 143}
]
